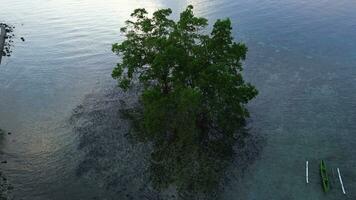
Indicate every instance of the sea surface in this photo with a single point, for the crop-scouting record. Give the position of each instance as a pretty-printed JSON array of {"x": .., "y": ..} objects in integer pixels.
[{"x": 302, "y": 59}]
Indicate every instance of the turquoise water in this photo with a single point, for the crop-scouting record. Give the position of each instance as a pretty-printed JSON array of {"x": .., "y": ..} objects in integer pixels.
[{"x": 302, "y": 58}]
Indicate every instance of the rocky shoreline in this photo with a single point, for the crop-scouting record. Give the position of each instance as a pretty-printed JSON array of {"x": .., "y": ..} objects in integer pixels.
[
  {"x": 6, "y": 40},
  {"x": 5, "y": 186}
]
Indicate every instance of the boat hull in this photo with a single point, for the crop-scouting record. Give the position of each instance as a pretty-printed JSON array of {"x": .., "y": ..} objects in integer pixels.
[{"x": 324, "y": 177}]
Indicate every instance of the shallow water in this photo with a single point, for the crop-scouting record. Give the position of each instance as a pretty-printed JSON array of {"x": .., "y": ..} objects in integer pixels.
[{"x": 302, "y": 57}]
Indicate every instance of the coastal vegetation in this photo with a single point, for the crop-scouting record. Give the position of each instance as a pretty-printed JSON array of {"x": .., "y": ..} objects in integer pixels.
[{"x": 193, "y": 100}]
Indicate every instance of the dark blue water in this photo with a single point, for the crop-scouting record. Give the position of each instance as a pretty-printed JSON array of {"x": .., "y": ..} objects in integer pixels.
[{"x": 302, "y": 58}]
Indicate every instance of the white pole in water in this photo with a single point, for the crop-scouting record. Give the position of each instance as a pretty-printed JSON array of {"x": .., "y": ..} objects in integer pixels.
[
  {"x": 342, "y": 185},
  {"x": 306, "y": 172}
]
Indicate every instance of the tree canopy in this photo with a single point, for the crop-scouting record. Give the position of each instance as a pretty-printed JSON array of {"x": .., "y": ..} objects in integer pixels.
[{"x": 194, "y": 94}]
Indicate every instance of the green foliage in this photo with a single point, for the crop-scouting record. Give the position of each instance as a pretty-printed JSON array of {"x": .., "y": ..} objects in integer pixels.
[{"x": 194, "y": 94}]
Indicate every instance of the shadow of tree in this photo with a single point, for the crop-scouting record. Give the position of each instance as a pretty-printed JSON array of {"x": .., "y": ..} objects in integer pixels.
[
  {"x": 195, "y": 171},
  {"x": 123, "y": 162}
]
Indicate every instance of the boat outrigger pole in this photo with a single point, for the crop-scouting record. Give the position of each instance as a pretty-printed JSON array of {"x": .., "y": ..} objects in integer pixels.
[
  {"x": 342, "y": 184},
  {"x": 306, "y": 172}
]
